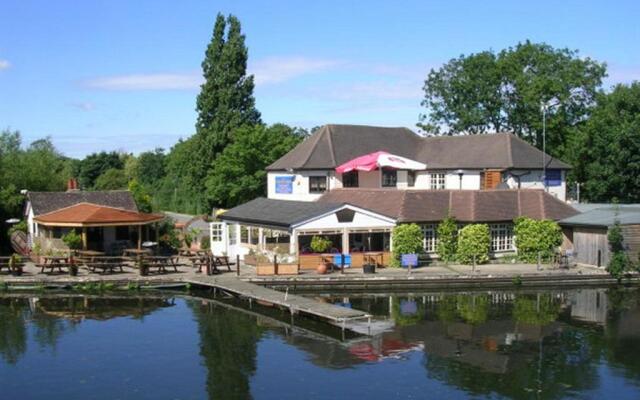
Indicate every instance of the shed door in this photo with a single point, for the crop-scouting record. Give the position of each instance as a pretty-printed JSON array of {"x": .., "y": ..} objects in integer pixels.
[
  {"x": 490, "y": 179},
  {"x": 218, "y": 237}
]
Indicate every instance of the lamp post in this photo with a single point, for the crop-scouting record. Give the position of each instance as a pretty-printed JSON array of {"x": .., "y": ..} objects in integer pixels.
[
  {"x": 460, "y": 174},
  {"x": 544, "y": 107}
]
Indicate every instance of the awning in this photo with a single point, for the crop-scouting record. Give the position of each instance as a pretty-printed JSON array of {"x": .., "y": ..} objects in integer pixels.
[{"x": 379, "y": 159}]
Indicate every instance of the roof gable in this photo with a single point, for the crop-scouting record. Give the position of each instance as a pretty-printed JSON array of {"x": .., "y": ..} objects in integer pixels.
[{"x": 88, "y": 214}]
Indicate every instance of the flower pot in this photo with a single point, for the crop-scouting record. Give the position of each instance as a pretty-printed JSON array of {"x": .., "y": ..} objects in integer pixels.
[
  {"x": 369, "y": 268},
  {"x": 144, "y": 270},
  {"x": 73, "y": 270},
  {"x": 322, "y": 268}
]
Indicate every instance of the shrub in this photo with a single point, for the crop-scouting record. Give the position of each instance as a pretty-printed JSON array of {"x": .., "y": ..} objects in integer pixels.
[
  {"x": 536, "y": 236},
  {"x": 320, "y": 244},
  {"x": 19, "y": 227},
  {"x": 205, "y": 243},
  {"x": 407, "y": 239},
  {"x": 473, "y": 240},
  {"x": 72, "y": 240},
  {"x": 447, "y": 239},
  {"x": 619, "y": 262}
]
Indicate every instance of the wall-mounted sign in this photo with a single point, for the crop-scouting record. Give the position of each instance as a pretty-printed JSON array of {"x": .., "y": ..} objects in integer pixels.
[
  {"x": 553, "y": 177},
  {"x": 284, "y": 184}
]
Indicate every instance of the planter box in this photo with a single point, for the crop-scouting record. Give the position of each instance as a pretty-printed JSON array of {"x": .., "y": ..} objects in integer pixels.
[
  {"x": 283, "y": 269},
  {"x": 288, "y": 269}
]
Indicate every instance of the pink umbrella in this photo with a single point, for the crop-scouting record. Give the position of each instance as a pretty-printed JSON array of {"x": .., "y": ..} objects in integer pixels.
[{"x": 378, "y": 159}]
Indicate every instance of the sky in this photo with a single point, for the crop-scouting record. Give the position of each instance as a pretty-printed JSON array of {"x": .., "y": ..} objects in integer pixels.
[{"x": 124, "y": 75}]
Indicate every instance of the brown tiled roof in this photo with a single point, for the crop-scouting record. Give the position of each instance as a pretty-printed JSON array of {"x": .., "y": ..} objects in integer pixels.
[
  {"x": 87, "y": 214},
  {"x": 45, "y": 202},
  {"x": 333, "y": 145},
  {"x": 464, "y": 205}
]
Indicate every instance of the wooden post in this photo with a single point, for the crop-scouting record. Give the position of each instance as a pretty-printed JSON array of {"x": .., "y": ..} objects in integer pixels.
[
  {"x": 139, "y": 237},
  {"x": 157, "y": 229},
  {"x": 275, "y": 264},
  {"x": 342, "y": 263},
  {"x": 84, "y": 238},
  {"x": 237, "y": 264}
]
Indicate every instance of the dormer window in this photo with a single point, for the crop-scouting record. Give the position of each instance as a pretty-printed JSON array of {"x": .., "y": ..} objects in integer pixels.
[
  {"x": 350, "y": 179},
  {"x": 389, "y": 177},
  {"x": 317, "y": 184}
]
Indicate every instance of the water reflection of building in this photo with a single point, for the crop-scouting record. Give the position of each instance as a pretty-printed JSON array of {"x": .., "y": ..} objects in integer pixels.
[
  {"x": 99, "y": 307},
  {"x": 589, "y": 305}
]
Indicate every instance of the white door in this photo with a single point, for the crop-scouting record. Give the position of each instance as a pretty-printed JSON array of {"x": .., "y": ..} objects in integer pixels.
[{"x": 218, "y": 237}]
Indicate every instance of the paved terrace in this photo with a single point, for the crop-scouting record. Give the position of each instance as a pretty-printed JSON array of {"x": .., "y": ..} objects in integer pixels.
[{"x": 452, "y": 275}]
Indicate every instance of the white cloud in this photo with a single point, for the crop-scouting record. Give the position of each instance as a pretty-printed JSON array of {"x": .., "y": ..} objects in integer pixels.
[
  {"x": 280, "y": 69},
  {"x": 83, "y": 105},
  {"x": 373, "y": 90},
  {"x": 161, "y": 81},
  {"x": 4, "y": 64}
]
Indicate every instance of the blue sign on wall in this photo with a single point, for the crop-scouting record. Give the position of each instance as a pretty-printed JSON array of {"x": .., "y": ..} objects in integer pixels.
[
  {"x": 284, "y": 184},
  {"x": 409, "y": 260},
  {"x": 553, "y": 177}
]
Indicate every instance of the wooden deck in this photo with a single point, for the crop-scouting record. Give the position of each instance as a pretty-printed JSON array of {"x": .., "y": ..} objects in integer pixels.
[{"x": 296, "y": 304}]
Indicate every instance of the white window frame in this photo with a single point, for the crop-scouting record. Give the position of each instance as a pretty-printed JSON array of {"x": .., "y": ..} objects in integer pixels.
[
  {"x": 231, "y": 230},
  {"x": 429, "y": 237},
  {"x": 501, "y": 237},
  {"x": 217, "y": 232},
  {"x": 437, "y": 180}
]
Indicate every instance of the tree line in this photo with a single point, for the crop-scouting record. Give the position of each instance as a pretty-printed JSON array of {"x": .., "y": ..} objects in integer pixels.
[{"x": 223, "y": 163}]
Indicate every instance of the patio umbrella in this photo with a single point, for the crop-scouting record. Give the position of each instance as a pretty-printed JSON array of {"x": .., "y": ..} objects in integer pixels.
[{"x": 379, "y": 159}]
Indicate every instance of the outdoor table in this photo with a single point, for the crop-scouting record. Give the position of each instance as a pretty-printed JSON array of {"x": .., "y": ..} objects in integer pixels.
[
  {"x": 199, "y": 261},
  {"x": 90, "y": 253},
  {"x": 222, "y": 261},
  {"x": 53, "y": 262},
  {"x": 162, "y": 263},
  {"x": 136, "y": 252},
  {"x": 103, "y": 263}
]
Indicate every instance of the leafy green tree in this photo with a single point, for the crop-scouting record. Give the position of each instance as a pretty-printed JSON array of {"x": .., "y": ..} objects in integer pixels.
[
  {"x": 447, "y": 239},
  {"x": 488, "y": 92},
  {"x": 94, "y": 165},
  {"x": 226, "y": 100},
  {"x": 111, "y": 179},
  {"x": 150, "y": 166},
  {"x": 239, "y": 172},
  {"x": 607, "y": 162},
  {"x": 474, "y": 242},
  {"x": 407, "y": 239},
  {"x": 533, "y": 237},
  {"x": 140, "y": 196}
]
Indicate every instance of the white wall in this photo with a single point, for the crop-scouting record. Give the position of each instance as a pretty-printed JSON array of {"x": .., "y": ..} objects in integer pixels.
[
  {"x": 360, "y": 220},
  {"x": 300, "y": 185},
  {"x": 533, "y": 180}
]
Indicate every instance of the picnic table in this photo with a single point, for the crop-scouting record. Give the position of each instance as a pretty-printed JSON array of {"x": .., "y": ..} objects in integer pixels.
[
  {"x": 162, "y": 263},
  {"x": 4, "y": 263},
  {"x": 221, "y": 261},
  {"x": 53, "y": 262},
  {"x": 103, "y": 263},
  {"x": 199, "y": 259},
  {"x": 136, "y": 252},
  {"x": 89, "y": 253}
]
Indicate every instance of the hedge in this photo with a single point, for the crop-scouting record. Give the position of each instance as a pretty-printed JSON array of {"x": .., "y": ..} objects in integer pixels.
[
  {"x": 447, "y": 239},
  {"x": 407, "y": 239},
  {"x": 536, "y": 236},
  {"x": 474, "y": 240}
]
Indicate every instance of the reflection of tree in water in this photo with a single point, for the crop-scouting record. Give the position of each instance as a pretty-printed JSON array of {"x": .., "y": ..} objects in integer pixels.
[
  {"x": 47, "y": 319},
  {"x": 539, "y": 310},
  {"x": 552, "y": 359},
  {"x": 228, "y": 345},
  {"x": 13, "y": 329},
  {"x": 473, "y": 309}
]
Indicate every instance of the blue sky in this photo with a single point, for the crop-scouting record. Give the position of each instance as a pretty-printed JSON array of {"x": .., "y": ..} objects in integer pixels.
[{"x": 124, "y": 75}]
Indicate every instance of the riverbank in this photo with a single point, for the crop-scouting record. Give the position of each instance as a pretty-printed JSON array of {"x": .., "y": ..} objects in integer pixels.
[{"x": 451, "y": 276}]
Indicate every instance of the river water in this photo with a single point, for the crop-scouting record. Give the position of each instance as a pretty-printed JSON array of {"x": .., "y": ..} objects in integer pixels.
[{"x": 547, "y": 344}]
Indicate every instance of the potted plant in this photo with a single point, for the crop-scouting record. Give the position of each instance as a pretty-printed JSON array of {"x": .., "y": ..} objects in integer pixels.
[
  {"x": 321, "y": 244},
  {"x": 142, "y": 266},
  {"x": 74, "y": 242},
  {"x": 15, "y": 265}
]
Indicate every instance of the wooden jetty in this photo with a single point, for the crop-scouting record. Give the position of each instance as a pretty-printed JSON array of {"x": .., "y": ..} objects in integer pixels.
[{"x": 296, "y": 304}]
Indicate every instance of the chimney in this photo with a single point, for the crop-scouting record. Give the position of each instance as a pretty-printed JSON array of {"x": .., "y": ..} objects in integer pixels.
[{"x": 72, "y": 185}]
